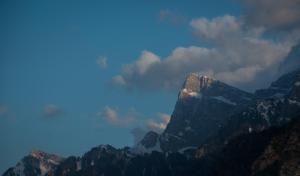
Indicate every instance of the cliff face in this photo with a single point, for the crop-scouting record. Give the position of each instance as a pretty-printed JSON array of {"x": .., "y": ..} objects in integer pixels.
[{"x": 203, "y": 106}]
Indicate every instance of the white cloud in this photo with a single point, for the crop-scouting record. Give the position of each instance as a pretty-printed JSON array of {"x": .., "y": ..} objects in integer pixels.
[
  {"x": 133, "y": 118},
  {"x": 146, "y": 60},
  {"x": 112, "y": 116},
  {"x": 102, "y": 62},
  {"x": 240, "y": 55},
  {"x": 52, "y": 110},
  {"x": 119, "y": 80},
  {"x": 216, "y": 28},
  {"x": 158, "y": 126}
]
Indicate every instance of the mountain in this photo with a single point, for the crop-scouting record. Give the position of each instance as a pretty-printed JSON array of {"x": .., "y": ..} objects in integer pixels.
[
  {"x": 292, "y": 61},
  {"x": 106, "y": 160},
  {"x": 215, "y": 130},
  {"x": 274, "y": 151},
  {"x": 36, "y": 163},
  {"x": 203, "y": 106},
  {"x": 275, "y": 106}
]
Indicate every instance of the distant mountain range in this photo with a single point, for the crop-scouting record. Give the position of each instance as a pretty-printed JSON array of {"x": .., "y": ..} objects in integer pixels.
[{"x": 215, "y": 130}]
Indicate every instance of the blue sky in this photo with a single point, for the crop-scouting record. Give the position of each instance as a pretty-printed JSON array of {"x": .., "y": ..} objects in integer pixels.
[
  {"x": 48, "y": 54},
  {"x": 55, "y": 97}
]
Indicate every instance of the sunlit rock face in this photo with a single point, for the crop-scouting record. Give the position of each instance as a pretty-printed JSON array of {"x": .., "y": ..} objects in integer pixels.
[{"x": 194, "y": 84}]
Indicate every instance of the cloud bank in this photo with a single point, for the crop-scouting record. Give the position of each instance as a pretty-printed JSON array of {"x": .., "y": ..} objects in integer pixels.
[{"x": 240, "y": 56}]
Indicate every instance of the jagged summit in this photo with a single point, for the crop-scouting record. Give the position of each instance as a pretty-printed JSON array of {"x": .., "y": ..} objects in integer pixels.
[
  {"x": 35, "y": 153},
  {"x": 204, "y": 104},
  {"x": 38, "y": 154},
  {"x": 201, "y": 86},
  {"x": 36, "y": 162},
  {"x": 198, "y": 80},
  {"x": 105, "y": 147},
  {"x": 193, "y": 85},
  {"x": 41, "y": 155}
]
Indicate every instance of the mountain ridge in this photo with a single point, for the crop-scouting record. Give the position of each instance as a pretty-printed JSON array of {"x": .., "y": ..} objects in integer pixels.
[{"x": 241, "y": 123}]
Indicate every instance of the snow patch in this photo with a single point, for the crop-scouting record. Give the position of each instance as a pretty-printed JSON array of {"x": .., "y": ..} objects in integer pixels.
[
  {"x": 263, "y": 109},
  {"x": 250, "y": 130},
  {"x": 181, "y": 151},
  {"x": 294, "y": 102},
  {"x": 44, "y": 169},
  {"x": 186, "y": 92},
  {"x": 225, "y": 100},
  {"x": 78, "y": 165}
]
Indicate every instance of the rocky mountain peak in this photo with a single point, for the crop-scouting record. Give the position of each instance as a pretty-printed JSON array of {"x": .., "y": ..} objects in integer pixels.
[
  {"x": 37, "y": 153},
  {"x": 194, "y": 84},
  {"x": 196, "y": 81},
  {"x": 36, "y": 163},
  {"x": 203, "y": 106},
  {"x": 45, "y": 157}
]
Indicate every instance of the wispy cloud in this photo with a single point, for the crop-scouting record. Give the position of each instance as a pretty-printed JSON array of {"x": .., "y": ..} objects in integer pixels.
[
  {"x": 112, "y": 116},
  {"x": 139, "y": 123},
  {"x": 175, "y": 18},
  {"x": 102, "y": 62},
  {"x": 158, "y": 125},
  {"x": 52, "y": 110}
]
